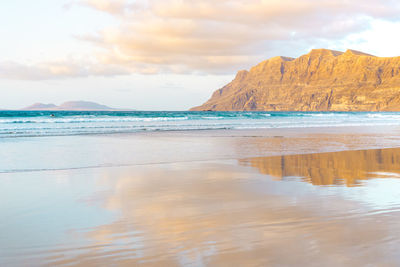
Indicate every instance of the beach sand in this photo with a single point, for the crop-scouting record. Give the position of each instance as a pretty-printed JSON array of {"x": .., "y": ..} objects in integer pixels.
[{"x": 312, "y": 196}]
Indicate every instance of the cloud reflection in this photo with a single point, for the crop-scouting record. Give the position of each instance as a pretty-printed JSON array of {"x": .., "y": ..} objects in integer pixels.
[{"x": 220, "y": 213}]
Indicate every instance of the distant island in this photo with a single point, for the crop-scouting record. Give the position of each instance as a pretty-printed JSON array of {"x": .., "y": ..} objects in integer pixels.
[
  {"x": 70, "y": 105},
  {"x": 322, "y": 80}
]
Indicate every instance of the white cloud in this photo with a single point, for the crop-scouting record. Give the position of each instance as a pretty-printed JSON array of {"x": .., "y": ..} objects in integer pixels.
[
  {"x": 57, "y": 70},
  {"x": 208, "y": 36},
  {"x": 221, "y": 36},
  {"x": 113, "y": 6}
]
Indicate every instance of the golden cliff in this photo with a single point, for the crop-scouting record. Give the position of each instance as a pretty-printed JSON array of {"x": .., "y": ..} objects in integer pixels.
[{"x": 322, "y": 80}]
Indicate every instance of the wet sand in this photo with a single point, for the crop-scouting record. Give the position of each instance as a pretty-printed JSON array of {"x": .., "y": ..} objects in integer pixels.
[{"x": 315, "y": 197}]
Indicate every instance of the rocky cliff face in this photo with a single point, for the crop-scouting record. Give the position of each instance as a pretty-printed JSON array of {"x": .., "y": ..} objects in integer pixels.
[{"x": 322, "y": 80}]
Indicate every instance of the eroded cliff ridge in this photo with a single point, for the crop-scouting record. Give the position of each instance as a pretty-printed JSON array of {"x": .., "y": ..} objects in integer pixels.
[{"x": 322, "y": 80}]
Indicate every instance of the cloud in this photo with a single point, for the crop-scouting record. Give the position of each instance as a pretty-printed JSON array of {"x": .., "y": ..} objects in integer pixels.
[
  {"x": 57, "y": 70},
  {"x": 110, "y": 6},
  {"x": 220, "y": 36},
  {"x": 208, "y": 36}
]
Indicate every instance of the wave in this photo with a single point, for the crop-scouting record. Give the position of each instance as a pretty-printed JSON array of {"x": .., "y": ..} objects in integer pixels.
[
  {"x": 89, "y": 120},
  {"x": 88, "y": 131},
  {"x": 22, "y": 124}
]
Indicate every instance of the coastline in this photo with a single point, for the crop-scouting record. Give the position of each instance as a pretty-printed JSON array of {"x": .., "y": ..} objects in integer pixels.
[{"x": 106, "y": 150}]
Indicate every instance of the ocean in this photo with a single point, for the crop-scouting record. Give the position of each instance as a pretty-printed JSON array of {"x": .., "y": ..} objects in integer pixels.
[{"x": 60, "y": 123}]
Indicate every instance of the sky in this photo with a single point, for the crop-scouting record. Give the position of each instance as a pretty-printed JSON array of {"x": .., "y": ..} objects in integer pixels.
[{"x": 170, "y": 54}]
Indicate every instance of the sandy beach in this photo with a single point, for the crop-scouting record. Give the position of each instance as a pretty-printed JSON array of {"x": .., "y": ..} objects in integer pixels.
[{"x": 312, "y": 196}]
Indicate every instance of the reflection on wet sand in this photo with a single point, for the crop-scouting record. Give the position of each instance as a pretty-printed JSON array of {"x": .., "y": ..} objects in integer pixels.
[
  {"x": 221, "y": 214},
  {"x": 194, "y": 210},
  {"x": 345, "y": 167}
]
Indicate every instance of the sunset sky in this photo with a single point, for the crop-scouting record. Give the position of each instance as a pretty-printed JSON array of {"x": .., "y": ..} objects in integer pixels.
[{"x": 170, "y": 54}]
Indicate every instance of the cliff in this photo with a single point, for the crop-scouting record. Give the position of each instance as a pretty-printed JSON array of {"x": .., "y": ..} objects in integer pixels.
[{"x": 322, "y": 80}]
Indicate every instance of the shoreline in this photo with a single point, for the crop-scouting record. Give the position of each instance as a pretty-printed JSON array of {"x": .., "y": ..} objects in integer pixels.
[
  {"x": 201, "y": 161},
  {"x": 133, "y": 149},
  {"x": 322, "y": 129}
]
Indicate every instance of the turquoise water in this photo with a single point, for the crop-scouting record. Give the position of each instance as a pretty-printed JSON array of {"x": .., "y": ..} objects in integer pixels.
[{"x": 50, "y": 123}]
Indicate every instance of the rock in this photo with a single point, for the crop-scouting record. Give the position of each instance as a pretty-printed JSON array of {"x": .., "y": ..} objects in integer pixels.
[{"x": 322, "y": 80}]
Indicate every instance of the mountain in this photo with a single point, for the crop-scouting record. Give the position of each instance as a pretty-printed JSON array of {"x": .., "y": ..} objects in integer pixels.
[
  {"x": 71, "y": 105},
  {"x": 40, "y": 106},
  {"x": 322, "y": 80},
  {"x": 82, "y": 105}
]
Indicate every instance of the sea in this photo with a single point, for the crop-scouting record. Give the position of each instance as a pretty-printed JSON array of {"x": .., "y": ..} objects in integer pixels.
[{"x": 60, "y": 123}]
